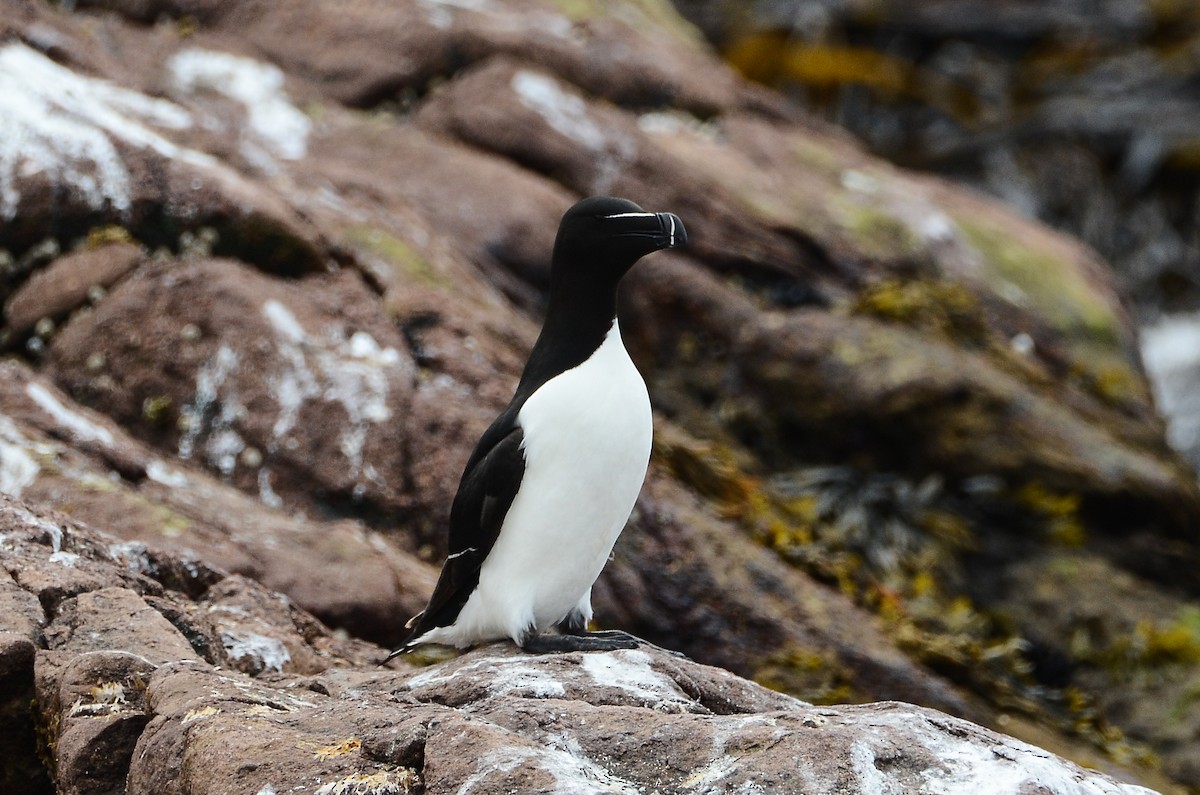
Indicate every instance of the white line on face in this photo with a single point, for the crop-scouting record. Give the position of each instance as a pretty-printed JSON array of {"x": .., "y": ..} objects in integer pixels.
[{"x": 632, "y": 215}]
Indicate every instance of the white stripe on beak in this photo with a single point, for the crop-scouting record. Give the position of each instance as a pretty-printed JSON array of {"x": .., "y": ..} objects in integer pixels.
[
  {"x": 671, "y": 218},
  {"x": 632, "y": 215}
]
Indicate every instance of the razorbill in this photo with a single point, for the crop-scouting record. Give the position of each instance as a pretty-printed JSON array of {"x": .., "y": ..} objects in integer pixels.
[{"x": 553, "y": 480}]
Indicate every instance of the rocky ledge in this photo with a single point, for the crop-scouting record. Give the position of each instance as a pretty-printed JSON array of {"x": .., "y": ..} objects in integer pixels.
[{"x": 132, "y": 670}]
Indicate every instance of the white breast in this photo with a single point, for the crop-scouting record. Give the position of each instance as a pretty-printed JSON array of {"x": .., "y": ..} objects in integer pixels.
[{"x": 587, "y": 444}]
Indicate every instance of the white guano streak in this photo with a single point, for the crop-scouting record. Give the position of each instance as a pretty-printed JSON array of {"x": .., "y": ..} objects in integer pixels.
[{"x": 63, "y": 125}]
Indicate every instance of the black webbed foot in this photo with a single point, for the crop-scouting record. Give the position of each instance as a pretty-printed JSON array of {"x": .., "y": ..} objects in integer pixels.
[
  {"x": 591, "y": 641},
  {"x": 576, "y": 639}
]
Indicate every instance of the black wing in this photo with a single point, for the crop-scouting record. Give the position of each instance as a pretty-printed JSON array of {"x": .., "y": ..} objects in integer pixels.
[{"x": 485, "y": 494}]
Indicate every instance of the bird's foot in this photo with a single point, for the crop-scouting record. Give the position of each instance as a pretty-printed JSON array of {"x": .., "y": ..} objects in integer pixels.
[
  {"x": 641, "y": 643},
  {"x": 599, "y": 640},
  {"x": 591, "y": 641}
]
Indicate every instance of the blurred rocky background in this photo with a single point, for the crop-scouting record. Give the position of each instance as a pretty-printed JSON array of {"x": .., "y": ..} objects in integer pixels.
[
  {"x": 1085, "y": 115},
  {"x": 267, "y": 271}
]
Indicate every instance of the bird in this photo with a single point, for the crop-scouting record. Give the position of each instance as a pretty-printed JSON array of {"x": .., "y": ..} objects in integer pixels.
[{"x": 553, "y": 480}]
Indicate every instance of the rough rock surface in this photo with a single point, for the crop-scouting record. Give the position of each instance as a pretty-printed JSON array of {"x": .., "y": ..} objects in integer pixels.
[
  {"x": 143, "y": 688},
  {"x": 268, "y": 273}
]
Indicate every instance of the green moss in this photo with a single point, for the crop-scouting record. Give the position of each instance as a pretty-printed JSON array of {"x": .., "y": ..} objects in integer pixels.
[
  {"x": 944, "y": 307},
  {"x": 406, "y": 261},
  {"x": 878, "y": 233},
  {"x": 96, "y": 484},
  {"x": 157, "y": 409},
  {"x": 816, "y": 157},
  {"x": 1058, "y": 292}
]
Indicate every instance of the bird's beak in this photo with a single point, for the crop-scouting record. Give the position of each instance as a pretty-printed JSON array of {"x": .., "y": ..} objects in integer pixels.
[
  {"x": 665, "y": 229},
  {"x": 672, "y": 233}
]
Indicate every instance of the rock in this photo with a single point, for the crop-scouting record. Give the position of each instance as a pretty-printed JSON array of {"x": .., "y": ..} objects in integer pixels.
[
  {"x": 247, "y": 374},
  {"x": 149, "y": 713},
  {"x": 112, "y": 481},
  {"x": 644, "y": 55},
  {"x": 106, "y": 160},
  {"x": 20, "y": 769},
  {"x": 684, "y": 577},
  {"x": 594, "y": 148},
  {"x": 1099, "y": 111},
  {"x": 879, "y": 396},
  {"x": 95, "y": 620},
  {"x": 68, "y": 283},
  {"x": 1169, "y": 349}
]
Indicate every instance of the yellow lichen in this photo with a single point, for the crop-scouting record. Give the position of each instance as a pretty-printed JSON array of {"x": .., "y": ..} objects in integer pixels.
[
  {"x": 337, "y": 749},
  {"x": 109, "y": 693},
  {"x": 381, "y": 782},
  {"x": 1061, "y": 512},
  {"x": 100, "y": 236},
  {"x": 1175, "y": 643}
]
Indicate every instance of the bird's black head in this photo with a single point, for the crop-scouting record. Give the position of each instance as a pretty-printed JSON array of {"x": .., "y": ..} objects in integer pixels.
[{"x": 602, "y": 237}]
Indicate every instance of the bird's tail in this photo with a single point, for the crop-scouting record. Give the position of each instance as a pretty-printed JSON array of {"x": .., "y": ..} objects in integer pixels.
[{"x": 410, "y": 643}]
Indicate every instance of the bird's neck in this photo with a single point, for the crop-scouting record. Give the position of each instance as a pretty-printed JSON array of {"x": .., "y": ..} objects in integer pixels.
[{"x": 578, "y": 319}]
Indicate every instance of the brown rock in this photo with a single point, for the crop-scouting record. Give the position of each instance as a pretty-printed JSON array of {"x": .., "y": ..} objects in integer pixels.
[
  {"x": 683, "y": 577},
  {"x": 645, "y": 55},
  {"x": 533, "y": 117},
  {"x": 65, "y": 284},
  {"x": 101, "y": 698},
  {"x": 112, "y": 159},
  {"x": 154, "y": 505},
  {"x": 106, "y": 604},
  {"x": 527, "y": 726},
  {"x": 278, "y": 387},
  {"x": 128, "y": 718},
  {"x": 20, "y": 613},
  {"x": 835, "y": 314},
  {"x": 116, "y": 618}
]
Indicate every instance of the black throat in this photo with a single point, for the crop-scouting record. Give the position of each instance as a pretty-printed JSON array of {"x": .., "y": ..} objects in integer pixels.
[{"x": 581, "y": 311}]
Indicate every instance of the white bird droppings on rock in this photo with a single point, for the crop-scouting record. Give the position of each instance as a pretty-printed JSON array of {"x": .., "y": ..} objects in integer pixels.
[
  {"x": 63, "y": 125},
  {"x": 83, "y": 429},
  {"x": 269, "y": 652},
  {"x": 507, "y": 675},
  {"x": 567, "y": 113},
  {"x": 1171, "y": 352},
  {"x": 352, "y": 372},
  {"x": 18, "y": 469},
  {"x": 630, "y": 670},
  {"x": 273, "y": 121}
]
